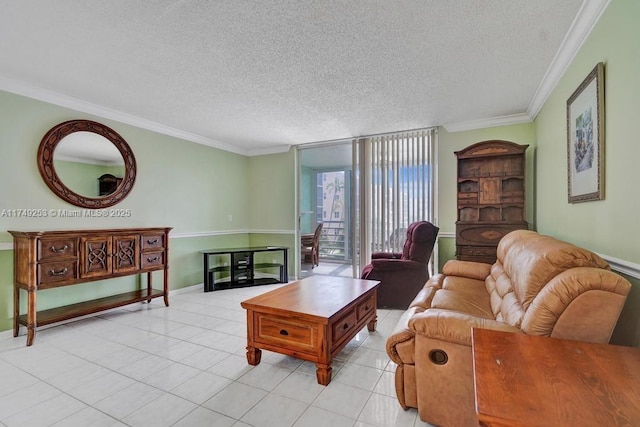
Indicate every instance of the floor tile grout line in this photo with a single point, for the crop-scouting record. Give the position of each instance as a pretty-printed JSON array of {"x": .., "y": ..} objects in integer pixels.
[{"x": 179, "y": 322}]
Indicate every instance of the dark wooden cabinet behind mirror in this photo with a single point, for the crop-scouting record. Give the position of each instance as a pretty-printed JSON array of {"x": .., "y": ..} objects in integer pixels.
[{"x": 87, "y": 164}]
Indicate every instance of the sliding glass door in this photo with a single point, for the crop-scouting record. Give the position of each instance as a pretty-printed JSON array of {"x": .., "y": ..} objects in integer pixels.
[
  {"x": 365, "y": 192},
  {"x": 325, "y": 187}
]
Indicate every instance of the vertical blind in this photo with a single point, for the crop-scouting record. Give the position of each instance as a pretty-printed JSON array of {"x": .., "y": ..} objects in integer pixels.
[{"x": 396, "y": 187}]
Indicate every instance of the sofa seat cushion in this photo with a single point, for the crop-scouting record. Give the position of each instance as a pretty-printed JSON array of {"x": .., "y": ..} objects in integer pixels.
[
  {"x": 472, "y": 301},
  {"x": 453, "y": 326}
]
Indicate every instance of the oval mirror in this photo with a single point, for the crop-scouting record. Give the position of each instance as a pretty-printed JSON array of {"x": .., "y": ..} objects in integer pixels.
[{"x": 87, "y": 164}]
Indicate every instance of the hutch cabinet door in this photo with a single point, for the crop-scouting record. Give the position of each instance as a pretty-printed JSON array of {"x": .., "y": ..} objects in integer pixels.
[{"x": 489, "y": 191}]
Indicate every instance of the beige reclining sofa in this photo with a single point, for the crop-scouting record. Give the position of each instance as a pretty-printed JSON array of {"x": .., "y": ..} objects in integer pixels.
[{"x": 538, "y": 286}]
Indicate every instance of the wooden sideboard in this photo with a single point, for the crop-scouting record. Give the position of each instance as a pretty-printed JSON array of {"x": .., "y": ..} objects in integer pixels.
[{"x": 51, "y": 259}]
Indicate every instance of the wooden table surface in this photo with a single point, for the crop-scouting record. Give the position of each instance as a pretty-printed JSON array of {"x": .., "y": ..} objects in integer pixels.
[
  {"x": 316, "y": 297},
  {"x": 523, "y": 380}
]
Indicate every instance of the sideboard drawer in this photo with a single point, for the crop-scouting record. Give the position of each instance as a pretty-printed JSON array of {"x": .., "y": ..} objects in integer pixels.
[
  {"x": 152, "y": 259},
  {"x": 298, "y": 334},
  {"x": 49, "y": 249},
  {"x": 54, "y": 272},
  {"x": 152, "y": 241}
]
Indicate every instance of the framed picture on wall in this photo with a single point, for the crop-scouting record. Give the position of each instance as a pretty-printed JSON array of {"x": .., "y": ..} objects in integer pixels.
[{"x": 585, "y": 139}]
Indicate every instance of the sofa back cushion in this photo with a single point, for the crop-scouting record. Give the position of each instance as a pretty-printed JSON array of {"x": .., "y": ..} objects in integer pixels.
[{"x": 526, "y": 262}]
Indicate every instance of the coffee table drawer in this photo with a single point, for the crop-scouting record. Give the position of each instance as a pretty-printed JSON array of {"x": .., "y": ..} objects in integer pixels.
[
  {"x": 365, "y": 308},
  {"x": 344, "y": 325},
  {"x": 295, "y": 334}
]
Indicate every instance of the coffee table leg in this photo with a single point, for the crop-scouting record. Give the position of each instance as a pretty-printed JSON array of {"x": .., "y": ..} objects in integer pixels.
[
  {"x": 323, "y": 373},
  {"x": 371, "y": 326},
  {"x": 253, "y": 355}
]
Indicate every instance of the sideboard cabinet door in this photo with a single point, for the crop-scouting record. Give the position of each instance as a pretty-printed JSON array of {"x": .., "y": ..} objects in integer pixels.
[
  {"x": 126, "y": 253},
  {"x": 95, "y": 256}
]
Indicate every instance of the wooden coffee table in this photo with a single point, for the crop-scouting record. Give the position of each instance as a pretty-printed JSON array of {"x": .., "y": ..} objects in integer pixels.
[{"x": 311, "y": 319}]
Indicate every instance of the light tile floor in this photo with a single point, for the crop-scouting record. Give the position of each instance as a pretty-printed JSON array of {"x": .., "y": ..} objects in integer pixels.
[
  {"x": 185, "y": 365},
  {"x": 326, "y": 268}
]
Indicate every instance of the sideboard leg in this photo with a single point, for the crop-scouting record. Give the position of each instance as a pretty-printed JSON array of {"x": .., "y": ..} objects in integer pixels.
[
  {"x": 149, "y": 285},
  {"x": 16, "y": 310},
  {"x": 166, "y": 287},
  {"x": 31, "y": 316}
]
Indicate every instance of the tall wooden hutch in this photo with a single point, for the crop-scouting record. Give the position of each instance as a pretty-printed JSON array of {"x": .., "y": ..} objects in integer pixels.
[{"x": 491, "y": 197}]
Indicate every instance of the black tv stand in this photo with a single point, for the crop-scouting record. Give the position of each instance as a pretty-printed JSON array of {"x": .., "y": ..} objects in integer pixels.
[{"x": 242, "y": 268}]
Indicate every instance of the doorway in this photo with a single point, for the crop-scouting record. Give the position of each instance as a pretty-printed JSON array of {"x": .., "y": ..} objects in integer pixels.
[{"x": 325, "y": 197}]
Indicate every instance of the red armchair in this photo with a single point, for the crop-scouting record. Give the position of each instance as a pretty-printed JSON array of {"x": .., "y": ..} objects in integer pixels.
[{"x": 402, "y": 275}]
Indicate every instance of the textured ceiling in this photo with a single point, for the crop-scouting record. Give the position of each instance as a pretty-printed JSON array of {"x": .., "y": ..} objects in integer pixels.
[{"x": 251, "y": 76}]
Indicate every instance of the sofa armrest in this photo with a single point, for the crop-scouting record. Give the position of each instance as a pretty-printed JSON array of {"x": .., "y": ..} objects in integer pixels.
[
  {"x": 386, "y": 255},
  {"x": 453, "y": 326},
  {"x": 469, "y": 269},
  {"x": 397, "y": 264}
]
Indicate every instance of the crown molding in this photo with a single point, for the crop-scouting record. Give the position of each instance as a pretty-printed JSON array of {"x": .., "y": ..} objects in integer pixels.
[
  {"x": 72, "y": 103},
  {"x": 584, "y": 22},
  {"x": 278, "y": 149},
  {"x": 490, "y": 122}
]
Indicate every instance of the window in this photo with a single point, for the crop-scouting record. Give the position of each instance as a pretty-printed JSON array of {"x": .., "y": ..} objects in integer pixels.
[{"x": 396, "y": 187}]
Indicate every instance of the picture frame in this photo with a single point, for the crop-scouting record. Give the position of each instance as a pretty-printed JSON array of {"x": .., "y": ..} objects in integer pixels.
[{"x": 585, "y": 139}]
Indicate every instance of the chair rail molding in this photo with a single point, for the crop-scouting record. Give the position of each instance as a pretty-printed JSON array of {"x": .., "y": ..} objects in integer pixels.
[
  {"x": 227, "y": 232},
  {"x": 622, "y": 266}
]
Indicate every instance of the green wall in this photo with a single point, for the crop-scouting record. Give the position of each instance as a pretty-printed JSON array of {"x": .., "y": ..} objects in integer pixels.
[
  {"x": 82, "y": 178},
  {"x": 190, "y": 187},
  {"x": 272, "y": 195},
  {"x": 272, "y": 201},
  {"x": 608, "y": 226}
]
